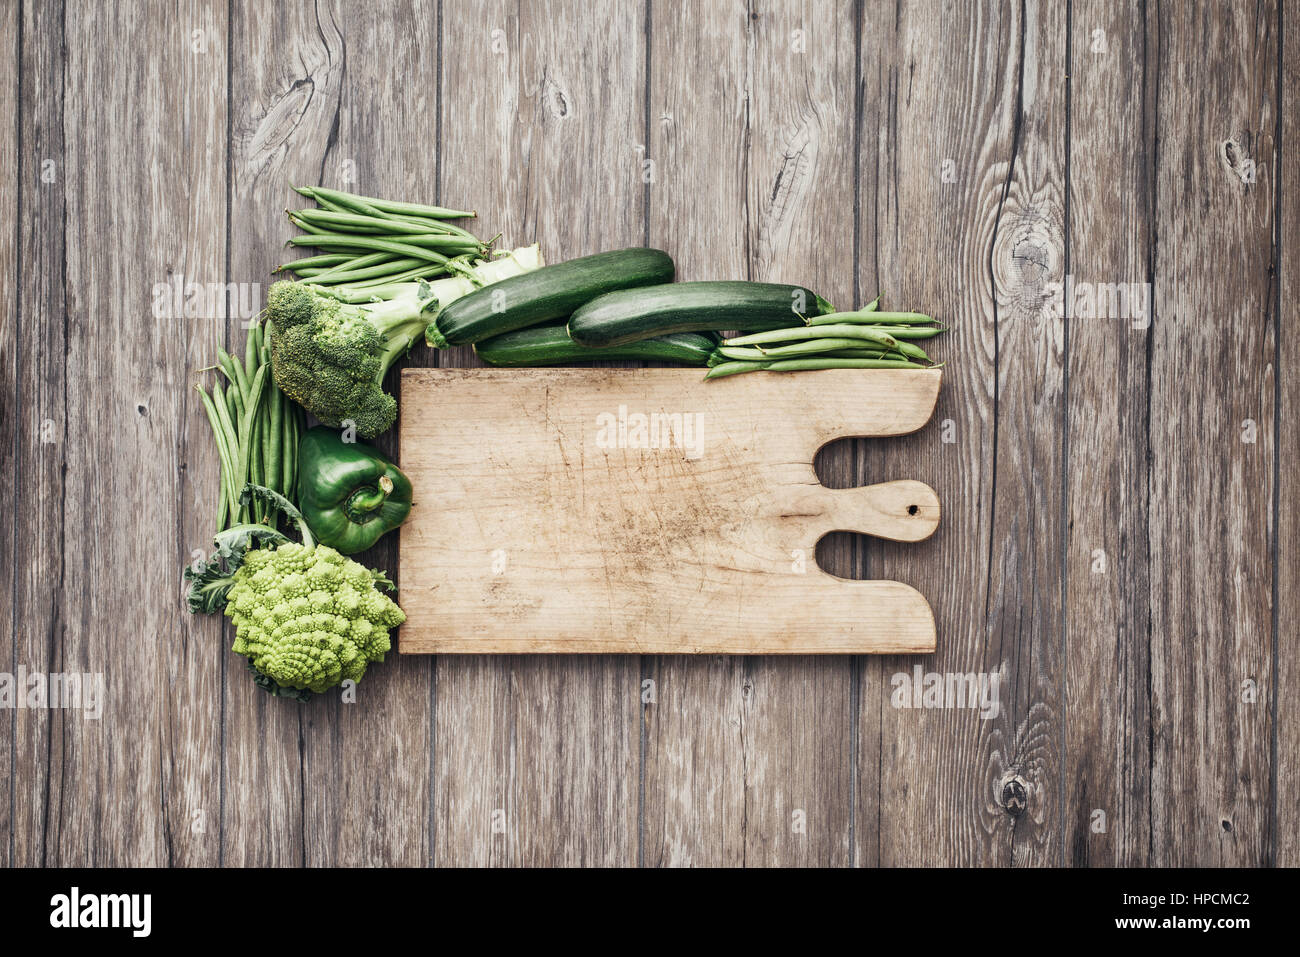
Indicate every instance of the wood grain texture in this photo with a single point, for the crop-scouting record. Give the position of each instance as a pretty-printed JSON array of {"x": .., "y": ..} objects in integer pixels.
[
  {"x": 10, "y": 257},
  {"x": 751, "y": 137},
  {"x": 542, "y": 110},
  {"x": 968, "y": 165},
  {"x": 1109, "y": 245},
  {"x": 689, "y": 531},
  {"x": 304, "y": 118},
  {"x": 370, "y": 814},
  {"x": 1286, "y": 647},
  {"x": 187, "y": 237},
  {"x": 796, "y": 140},
  {"x": 286, "y": 84},
  {"x": 139, "y": 785},
  {"x": 1212, "y": 440},
  {"x": 39, "y": 474}
]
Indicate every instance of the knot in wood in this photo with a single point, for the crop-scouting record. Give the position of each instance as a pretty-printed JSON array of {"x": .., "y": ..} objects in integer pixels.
[
  {"x": 1028, "y": 255},
  {"x": 1015, "y": 795}
]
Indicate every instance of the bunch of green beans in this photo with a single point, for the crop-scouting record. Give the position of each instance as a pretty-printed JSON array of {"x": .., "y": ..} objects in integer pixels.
[
  {"x": 865, "y": 338},
  {"x": 366, "y": 242},
  {"x": 256, "y": 428}
]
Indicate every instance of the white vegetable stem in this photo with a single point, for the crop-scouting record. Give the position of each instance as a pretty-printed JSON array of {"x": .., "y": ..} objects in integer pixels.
[
  {"x": 515, "y": 263},
  {"x": 450, "y": 288}
]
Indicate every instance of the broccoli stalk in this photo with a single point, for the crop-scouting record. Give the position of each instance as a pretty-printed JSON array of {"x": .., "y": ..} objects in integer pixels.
[{"x": 330, "y": 356}]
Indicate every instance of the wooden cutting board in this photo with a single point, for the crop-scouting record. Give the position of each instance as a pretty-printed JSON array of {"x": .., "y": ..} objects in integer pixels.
[{"x": 648, "y": 511}]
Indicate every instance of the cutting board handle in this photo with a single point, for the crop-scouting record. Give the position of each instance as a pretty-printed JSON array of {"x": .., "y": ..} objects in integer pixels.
[{"x": 901, "y": 511}]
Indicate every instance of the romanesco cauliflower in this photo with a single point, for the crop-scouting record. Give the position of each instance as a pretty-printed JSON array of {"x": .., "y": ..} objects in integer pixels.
[{"x": 309, "y": 618}]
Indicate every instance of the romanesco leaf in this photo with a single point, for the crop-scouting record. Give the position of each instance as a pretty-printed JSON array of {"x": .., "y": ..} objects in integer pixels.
[
  {"x": 280, "y": 504},
  {"x": 210, "y": 583}
]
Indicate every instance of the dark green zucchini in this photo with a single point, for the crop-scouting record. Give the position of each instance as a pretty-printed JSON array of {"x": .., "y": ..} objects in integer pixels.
[
  {"x": 630, "y": 315},
  {"x": 545, "y": 294},
  {"x": 551, "y": 345}
]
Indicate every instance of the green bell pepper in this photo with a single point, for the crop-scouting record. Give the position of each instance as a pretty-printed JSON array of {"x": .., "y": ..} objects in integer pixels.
[{"x": 349, "y": 493}]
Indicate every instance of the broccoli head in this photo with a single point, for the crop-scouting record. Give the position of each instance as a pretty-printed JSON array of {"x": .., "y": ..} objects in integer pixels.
[
  {"x": 309, "y": 618},
  {"x": 330, "y": 357}
]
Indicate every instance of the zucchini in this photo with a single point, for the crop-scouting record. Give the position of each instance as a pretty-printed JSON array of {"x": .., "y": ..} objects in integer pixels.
[
  {"x": 551, "y": 345},
  {"x": 545, "y": 294},
  {"x": 630, "y": 315}
]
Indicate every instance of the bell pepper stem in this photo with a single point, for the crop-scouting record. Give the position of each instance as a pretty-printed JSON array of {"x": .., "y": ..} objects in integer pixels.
[{"x": 368, "y": 499}]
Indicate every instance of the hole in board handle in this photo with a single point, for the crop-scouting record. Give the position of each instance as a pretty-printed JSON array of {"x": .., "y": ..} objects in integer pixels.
[{"x": 912, "y": 509}]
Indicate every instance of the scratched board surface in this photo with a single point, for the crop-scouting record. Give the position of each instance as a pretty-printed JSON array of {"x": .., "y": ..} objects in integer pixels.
[
  {"x": 648, "y": 511},
  {"x": 1119, "y": 538}
]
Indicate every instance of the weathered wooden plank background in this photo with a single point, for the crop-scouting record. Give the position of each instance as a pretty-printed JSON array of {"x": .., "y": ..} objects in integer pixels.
[{"x": 1120, "y": 539}]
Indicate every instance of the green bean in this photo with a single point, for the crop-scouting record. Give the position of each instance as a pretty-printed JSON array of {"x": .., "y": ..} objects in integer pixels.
[
  {"x": 459, "y": 265},
  {"x": 256, "y": 446},
  {"x": 820, "y": 362},
  {"x": 741, "y": 353},
  {"x": 302, "y": 224},
  {"x": 253, "y": 349},
  {"x": 231, "y": 436},
  {"x": 343, "y": 241},
  {"x": 432, "y": 241},
  {"x": 357, "y": 222},
  {"x": 863, "y": 354},
  {"x": 401, "y": 278},
  {"x": 808, "y": 347},
  {"x": 339, "y": 277},
  {"x": 390, "y": 206},
  {"x": 436, "y": 225},
  {"x": 342, "y": 222},
  {"x": 872, "y": 306},
  {"x": 264, "y": 432},
  {"x": 912, "y": 350},
  {"x": 252, "y": 409},
  {"x": 223, "y": 454},
  {"x": 223, "y": 508},
  {"x": 255, "y": 462},
  {"x": 228, "y": 424},
  {"x": 870, "y": 316},
  {"x": 310, "y": 193},
  {"x": 733, "y": 368},
  {"x": 323, "y": 261},
  {"x": 842, "y": 348},
  {"x": 250, "y": 352},
  {"x": 295, "y": 439},
  {"x": 288, "y": 448},
  {"x": 234, "y": 401},
  {"x": 354, "y": 274},
  {"x": 273, "y": 464},
  {"x": 273, "y": 405},
  {"x": 846, "y": 331},
  {"x": 808, "y": 364},
  {"x": 265, "y": 439},
  {"x": 347, "y": 260},
  {"x": 234, "y": 370},
  {"x": 907, "y": 332},
  {"x": 342, "y": 202},
  {"x": 448, "y": 244},
  {"x": 299, "y": 427}
]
